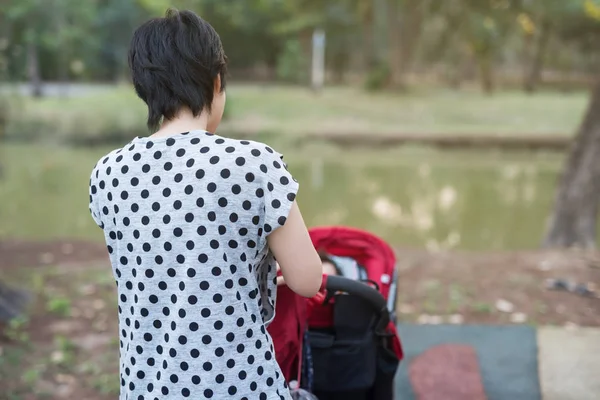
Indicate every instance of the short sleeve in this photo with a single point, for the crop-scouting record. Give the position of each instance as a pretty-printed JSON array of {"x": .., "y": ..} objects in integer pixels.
[
  {"x": 93, "y": 192},
  {"x": 280, "y": 190}
]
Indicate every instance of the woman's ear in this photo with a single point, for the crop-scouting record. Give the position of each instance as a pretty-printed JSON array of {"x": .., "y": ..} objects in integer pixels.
[{"x": 217, "y": 87}]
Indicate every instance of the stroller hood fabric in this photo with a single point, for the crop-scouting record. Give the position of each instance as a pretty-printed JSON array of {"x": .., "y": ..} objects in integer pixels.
[{"x": 368, "y": 250}]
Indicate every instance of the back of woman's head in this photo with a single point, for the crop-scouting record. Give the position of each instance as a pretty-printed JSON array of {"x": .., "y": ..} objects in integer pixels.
[{"x": 175, "y": 61}]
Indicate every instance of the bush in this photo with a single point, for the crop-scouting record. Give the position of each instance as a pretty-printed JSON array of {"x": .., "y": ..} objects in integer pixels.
[
  {"x": 377, "y": 78},
  {"x": 292, "y": 64},
  {"x": 115, "y": 115}
]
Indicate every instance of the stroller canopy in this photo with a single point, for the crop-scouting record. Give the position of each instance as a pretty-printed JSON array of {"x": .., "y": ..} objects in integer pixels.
[{"x": 370, "y": 251}]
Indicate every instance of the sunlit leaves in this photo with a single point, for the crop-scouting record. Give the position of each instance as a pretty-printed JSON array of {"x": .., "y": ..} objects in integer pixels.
[
  {"x": 526, "y": 24},
  {"x": 592, "y": 9},
  {"x": 158, "y": 7}
]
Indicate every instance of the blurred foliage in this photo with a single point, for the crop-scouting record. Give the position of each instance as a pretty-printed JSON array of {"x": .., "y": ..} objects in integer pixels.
[
  {"x": 292, "y": 65},
  {"x": 88, "y": 40}
]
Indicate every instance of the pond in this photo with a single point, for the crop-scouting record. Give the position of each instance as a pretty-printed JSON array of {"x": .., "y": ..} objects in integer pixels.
[
  {"x": 437, "y": 200},
  {"x": 411, "y": 197}
]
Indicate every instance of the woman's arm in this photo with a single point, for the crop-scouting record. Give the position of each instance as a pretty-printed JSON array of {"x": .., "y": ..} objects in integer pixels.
[{"x": 299, "y": 262}]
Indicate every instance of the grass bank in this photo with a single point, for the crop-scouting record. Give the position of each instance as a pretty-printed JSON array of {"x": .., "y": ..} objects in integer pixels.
[{"x": 115, "y": 114}]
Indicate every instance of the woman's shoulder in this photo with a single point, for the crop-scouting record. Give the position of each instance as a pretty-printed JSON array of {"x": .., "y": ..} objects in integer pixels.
[
  {"x": 251, "y": 147},
  {"x": 251, "y": 154},
  {"x": 105, "y": 165}
]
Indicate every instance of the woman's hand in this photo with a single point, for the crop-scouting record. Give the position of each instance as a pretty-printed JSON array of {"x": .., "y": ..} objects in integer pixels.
[{"x": 280, "y": 280}]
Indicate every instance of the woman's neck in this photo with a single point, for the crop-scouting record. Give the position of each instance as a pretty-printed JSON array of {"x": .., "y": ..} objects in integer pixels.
[{"x": 183, "y": 122}]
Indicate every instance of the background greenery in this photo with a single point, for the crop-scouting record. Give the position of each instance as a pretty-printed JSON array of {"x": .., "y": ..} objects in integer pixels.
[{"x": 476, "y": 68}]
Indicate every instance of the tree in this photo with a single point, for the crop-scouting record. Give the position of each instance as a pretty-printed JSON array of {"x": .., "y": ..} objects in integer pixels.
[
  {"x": 574, "y": 218},
  {"x": 297, "y": 20},
  {"x": 52, "y": 27},
  {"x": 405, "y": 26},
  {"x": 26, "y": 21},
  {"x": 540, "y": 21},
  {"x": 483, "y": 26},
  {"x": 536, "y": 26},
  {"x": 573, "y": 221}
]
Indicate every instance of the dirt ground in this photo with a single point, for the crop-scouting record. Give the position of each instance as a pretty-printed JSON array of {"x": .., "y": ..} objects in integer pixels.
[
  {"x": 19, "y": 254},
  {"x": 497, "y": 288},
  {"x": 66, "y": 347}
]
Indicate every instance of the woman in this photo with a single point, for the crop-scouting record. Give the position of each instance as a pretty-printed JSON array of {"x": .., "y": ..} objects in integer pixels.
[{"x": 193, "y": 223}]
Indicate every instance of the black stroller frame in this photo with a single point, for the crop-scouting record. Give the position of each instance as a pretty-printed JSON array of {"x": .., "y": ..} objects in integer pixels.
[{"x": 353, "y": 360}]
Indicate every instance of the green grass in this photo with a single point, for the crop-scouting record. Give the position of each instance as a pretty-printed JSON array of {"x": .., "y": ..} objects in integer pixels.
[
  {"x": 117, "y": 114},
  {"x": 352, "y": 110}
]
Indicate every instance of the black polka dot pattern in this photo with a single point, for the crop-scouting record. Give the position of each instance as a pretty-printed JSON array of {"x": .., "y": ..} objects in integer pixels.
[{"x": 186, "y": 220}]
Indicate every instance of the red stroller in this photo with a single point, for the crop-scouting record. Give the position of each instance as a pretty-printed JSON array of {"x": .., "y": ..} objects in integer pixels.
[{"x": 343, "y": 343}]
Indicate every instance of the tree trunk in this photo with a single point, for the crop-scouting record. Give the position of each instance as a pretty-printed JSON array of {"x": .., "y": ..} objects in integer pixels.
[
  {"x": 395, "y": 45},
  {"x": 368, "y": 30},
  {"x": 63, "y": 53},
  {"x": 534, "y": 72},
  {"x": 573, "y": 220},
  {"x": 405, "y": 26},
  {"x": 33, "y": 65},
  {"x": 486, "y": 73},
  {"x": 271, "y": 60},
  {"x": 339, "y": 64},
  {"x": 305, "y": 38},
  {"x": 412, "y": 30},
  {"x": 6, "y": 34}
]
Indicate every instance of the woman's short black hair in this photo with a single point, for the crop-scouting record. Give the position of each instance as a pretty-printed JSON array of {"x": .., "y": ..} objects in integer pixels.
[{"x": 174, "y": 62}]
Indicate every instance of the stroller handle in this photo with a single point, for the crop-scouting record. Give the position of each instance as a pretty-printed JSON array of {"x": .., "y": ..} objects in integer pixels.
[{"x": 333, "y": 283}]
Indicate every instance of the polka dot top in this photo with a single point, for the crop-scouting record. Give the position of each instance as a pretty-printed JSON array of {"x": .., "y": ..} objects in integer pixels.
[{"x": 186, "y": 220}]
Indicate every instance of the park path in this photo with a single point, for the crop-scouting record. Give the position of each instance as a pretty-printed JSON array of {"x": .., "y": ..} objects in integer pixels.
[
  {"x": 498, "y": 362},
  {"x": 569, "y": 363},
  {"x": 56, "y": 89}
]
